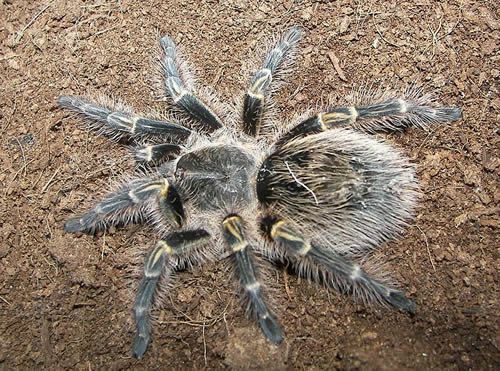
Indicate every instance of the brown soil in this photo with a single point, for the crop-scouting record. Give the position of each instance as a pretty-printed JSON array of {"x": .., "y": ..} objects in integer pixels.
[{"x": 65, "y": 301}]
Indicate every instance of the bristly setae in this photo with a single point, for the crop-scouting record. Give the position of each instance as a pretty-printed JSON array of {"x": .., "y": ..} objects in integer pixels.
[{"x": 317, "y": 193}]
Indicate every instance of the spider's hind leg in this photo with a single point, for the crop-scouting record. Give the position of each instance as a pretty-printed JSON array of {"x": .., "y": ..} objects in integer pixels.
[
  {"x": 347, "y": 276},
  {"x": 247, "y": 274},
  {"x": 160, "y": 260},
  {"x": 261, "y": 85}
]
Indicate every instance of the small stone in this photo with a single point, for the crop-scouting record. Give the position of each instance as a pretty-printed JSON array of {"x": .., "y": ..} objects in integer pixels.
[
  {"x": 344, "y": 25},
  {"x": 257, "y": 354},
  {"x": 483, "y": 196},
  {"x": 467, "y": 281},
  {"x": 472, "y": 176},
  {"x": 12, "y": 63},
  {"x": 186, "y": 295},
  {"x": 307, "y": 14},
  {"x": 207, "y": 308},
  {"x": 489, "y": 161},
  {"x": 488, "y": 222},
  {"x": 369, "y": 335}
]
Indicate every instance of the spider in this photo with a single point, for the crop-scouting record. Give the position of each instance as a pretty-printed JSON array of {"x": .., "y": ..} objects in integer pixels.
[{"x": 318, "y": 192}]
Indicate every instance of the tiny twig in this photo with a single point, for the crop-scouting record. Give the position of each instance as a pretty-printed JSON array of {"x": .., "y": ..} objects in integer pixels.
[
  {"x": 300, "y": 183},
  {"x": 435, "y": 38},
  {"x": 335, "y": 61},
  {"x": 20, "y": 33},
  {"x": 15, "y": 176},
  {"x": 5, "y": 300},
  {"x": 287, "y": 289},
  {"x": 103, "y": 31},
  {"x": 204, "y": 344},
  {"x": 47, "y": 185},
  {"x": 23, "y": 155},
  {"x": 427, "y": 246},
  {"x": 384, "y": 39}
]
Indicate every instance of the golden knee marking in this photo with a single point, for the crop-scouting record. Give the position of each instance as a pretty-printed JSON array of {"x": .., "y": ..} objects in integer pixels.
[
  {"x": 278, "y": 230},
  {"x": 305, "y": 249},
  {"x": 133, "y": 197},
  {"x": 322, "y": 122},
  {"x": 164, "y": 187},
  {"x": 255, "y": 95},
  {"x": 134, "y": 124},
  {"x": 239, "y": 246},
  {"x": 356, "y": 272},
  {"x": 163, "y": 247},
  {"x": 257, "y": 86},
  {"x": 232, "y": 225},
  {"x": 274, "y": 229},
  {"x": 149, "y": 153},
  {"x": 329, "y": 118},
  {"x": 403, "y": 107}
]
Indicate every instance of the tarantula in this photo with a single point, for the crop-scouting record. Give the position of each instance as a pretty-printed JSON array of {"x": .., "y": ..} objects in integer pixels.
[{"x": 317, "y": 192}]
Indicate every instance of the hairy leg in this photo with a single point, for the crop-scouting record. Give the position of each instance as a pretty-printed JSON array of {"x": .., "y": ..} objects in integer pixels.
[
  {"x": 348, "y": 276},
  {"x": 247, "y": 274},
  {"x": 118, "y": 121},
  {"x": 127, "y": 205},
  {"x": 257, "y": 96},
  {"x": 160, "y": 260},
  {"x": 181, "y": 94},
  {"x": 383, "y": 112}
]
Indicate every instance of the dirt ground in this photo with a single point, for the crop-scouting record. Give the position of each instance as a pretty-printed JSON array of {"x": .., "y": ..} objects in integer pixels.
[{"x": 65, "y": 300}]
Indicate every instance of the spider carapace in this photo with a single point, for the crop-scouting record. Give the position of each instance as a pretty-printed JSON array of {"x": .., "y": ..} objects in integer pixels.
[{"x": 247, "y": 184}]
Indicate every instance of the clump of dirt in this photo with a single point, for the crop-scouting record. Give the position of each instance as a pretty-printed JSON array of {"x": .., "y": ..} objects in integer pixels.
[{"x": 65, "y": 301}]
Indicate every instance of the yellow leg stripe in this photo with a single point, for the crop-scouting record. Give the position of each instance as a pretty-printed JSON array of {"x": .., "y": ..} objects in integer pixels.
[
  {"x": 162, "y": 247},
  {"x": 232, "y": 226},
  {"x": 274, "y": 229},
  {"x": 164, "y": 188},
  {"x": 239, "y": 246},
  {"x": 332, "y": 117},
  {"x": 280, "y": 231},
  {"x": 305, "y": 249}
]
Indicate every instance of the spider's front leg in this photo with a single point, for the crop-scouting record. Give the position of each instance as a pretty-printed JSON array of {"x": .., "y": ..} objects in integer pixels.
[
  {"x": 129, "y": 204},
  {"x": 116, "y": 121},
  {"x": 337, "y": 269},
  {"x": 256, "y": 99},
  {"x": 383, "y": 112},
  {"x": 160, "y": 260},
  {"x": 247, "y": 274},
  {"x": 176, "y": 86}
]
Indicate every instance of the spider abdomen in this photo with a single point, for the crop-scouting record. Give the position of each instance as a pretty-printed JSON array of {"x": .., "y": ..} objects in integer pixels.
[
  {"x": 349, "y": 188},
  {"x": 216, "y": 177}
]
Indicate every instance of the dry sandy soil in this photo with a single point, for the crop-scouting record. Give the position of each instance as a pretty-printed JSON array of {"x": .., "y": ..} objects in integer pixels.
[{"x": 65, "y": 300}]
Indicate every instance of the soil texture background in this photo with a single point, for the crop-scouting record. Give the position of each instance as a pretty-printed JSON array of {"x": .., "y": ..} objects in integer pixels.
[{"x": 66, "y": 300}]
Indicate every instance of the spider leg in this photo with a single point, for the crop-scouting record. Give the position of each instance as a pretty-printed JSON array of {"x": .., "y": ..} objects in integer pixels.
[
  {"x": 161, "y": 259},
  {"x": 156, "y": 153},
  {"x": 255, "y": 100},
  {"x": 348, "y": 275},
  {"x": 127, "y": 204},
  {"x": 117, "y": 123},
  {"x": 389, "y": 114},
  {"x": 176, "y": 88},
  {"x": 247, "y": 274}
]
